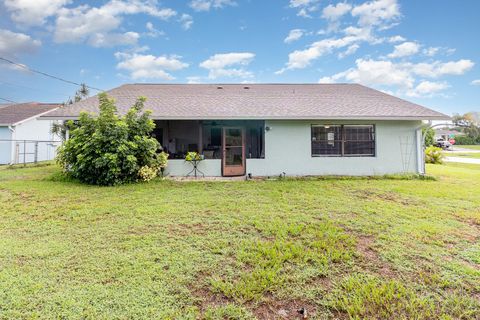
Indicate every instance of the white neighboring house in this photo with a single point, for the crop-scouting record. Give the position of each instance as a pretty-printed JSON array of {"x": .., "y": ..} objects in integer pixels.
[{"x": 24, "y": 138}]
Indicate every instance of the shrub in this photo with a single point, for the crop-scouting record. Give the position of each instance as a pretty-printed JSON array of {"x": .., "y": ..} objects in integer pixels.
[
  {"x": 466, "y": 140},
  {"x": 147, "y": 173},
  {"x": 433, "y": 155},
  {"x": 110, "y": 149}
]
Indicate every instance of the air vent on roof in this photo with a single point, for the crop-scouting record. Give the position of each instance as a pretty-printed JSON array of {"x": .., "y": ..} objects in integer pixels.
[
  {"x": 246, "y": 88},
  {"x": 219, "y": 87}
]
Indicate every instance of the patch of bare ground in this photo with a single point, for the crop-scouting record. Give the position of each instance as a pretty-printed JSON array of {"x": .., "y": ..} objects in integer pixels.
[
  {"x": 385, "y": 196},
  {"x": 370, "y": 258},
  {"x": 271, "y": 308},
  {"x": 203, "y": 297}
]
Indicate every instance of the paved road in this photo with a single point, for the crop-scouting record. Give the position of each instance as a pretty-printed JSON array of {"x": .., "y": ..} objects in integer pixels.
[
  {"x": 462, "y": 160},
  {"x": 460, "y": 150}
]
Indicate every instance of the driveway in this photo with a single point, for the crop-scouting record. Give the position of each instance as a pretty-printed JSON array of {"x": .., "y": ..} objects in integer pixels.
[
  {"x": 462, "y": 160},
  {"x": 456, "y": 149}
]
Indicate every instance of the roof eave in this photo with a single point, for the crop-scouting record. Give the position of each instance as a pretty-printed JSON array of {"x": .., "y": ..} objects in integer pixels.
[
  {"x": 40, "y": 115},
  {"x": 385, "y": 118}
]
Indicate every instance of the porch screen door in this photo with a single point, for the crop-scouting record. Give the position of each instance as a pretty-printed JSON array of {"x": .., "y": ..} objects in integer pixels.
[{"x": 233, "y": 160}]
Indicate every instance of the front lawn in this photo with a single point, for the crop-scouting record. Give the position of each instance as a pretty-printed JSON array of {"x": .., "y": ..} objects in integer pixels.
[
  {"x": 474, "y": 147},
  {"x": 474, "y": 155},
  {"x": 339, "y": 248}
]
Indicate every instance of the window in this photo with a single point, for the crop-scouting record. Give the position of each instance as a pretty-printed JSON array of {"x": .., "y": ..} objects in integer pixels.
[
  {"x": 327, "y": 140},
  {"x": 343, "y": 140}
]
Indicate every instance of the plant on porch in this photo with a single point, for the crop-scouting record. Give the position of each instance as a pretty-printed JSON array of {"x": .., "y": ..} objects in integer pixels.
[
  {"x": 194, "y": 158},
  {"x": 111, "y": 149}
]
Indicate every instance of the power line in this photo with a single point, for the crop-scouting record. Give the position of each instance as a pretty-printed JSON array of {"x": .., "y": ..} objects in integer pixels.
[
  {"x": 46, "y": 74},
  {"x": 8, "y": 100}
]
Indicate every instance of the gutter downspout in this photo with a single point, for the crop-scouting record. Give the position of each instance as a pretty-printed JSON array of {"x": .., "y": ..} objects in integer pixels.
[{"x": 12, "y": 144}]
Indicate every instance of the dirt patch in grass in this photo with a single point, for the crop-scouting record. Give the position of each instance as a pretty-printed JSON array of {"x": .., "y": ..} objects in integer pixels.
[
  {"x": 273, "y": 308},
  {"x": 385, "y": 196},
  {"x": 369, "y": 258}
]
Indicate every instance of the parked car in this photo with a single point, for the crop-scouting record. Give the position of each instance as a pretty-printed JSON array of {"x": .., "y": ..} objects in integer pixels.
[{"x": 442, "y": 143}]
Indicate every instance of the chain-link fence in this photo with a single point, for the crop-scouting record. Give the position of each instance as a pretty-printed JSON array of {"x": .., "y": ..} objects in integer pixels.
[{"x": 27, "y": 151}]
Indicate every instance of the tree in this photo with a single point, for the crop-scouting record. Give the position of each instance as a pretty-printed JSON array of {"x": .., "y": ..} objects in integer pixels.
[
  {"x": 60, "y": 128},
  {"x": 110, "y": 149},
  {"x": 469, "y": 124},
  {"x": 429, "y": 134}
]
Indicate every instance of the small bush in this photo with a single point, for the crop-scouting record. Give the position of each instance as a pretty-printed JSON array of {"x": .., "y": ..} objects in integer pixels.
[
  {"x": 110, "y": 149},
  {"x": 433, "y": 155}
]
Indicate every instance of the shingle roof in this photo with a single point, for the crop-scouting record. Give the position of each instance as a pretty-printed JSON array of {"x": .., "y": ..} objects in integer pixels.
[
  {"x": 15, "y": 113},
  {"x": 258, "y": 101}
]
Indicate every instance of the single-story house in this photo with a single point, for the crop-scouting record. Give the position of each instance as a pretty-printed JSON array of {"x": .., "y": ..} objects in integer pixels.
[
  {"x": 446, "y": 134},
  {"x": 24, "y": 138},
  {"x": 278, "y": 129}
]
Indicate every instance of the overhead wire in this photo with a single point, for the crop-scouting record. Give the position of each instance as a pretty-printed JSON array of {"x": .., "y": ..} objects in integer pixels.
[{"x": 47, "y": 74}]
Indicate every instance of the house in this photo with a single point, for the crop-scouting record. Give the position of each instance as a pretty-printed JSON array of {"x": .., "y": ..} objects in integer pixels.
[
  {"x": 278, "y": 129},
  {"x": 447, "y": 134},
  {"x": 24, "y": 138}
]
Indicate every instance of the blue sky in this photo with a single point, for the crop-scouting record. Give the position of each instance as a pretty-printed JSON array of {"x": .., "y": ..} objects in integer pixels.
[{"x": 424, "y": 51}]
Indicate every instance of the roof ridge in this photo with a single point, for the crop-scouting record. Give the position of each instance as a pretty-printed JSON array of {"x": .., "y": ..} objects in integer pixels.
[{"x": 238, "y": 84}]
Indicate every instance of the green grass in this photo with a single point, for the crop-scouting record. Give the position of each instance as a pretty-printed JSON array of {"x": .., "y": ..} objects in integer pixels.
[
  {"x": 392, "y": 248},
  {"x": 474, "y": 147},
  {"x": 465, "y": 155}
]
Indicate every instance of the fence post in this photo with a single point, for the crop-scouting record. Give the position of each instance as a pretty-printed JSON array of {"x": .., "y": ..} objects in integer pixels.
[
  {"x": 24, "y": 153},
  {"x": 35, "y": 159}
]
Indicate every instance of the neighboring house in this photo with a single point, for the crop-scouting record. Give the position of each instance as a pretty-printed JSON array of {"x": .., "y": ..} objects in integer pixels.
[
  {"x": 278, "y": 129},
  {"x": 22, "y": 135},
  {"x": 446, "y": 134}
]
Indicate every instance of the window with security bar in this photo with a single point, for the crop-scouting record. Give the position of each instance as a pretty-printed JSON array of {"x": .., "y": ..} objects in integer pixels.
[{"x": 343, "y": 140}]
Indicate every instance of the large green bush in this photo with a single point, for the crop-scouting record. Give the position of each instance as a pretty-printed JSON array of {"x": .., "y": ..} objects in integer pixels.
[
  {"x": 434, "y": 155},
  {"x": 111, "y": 149},
  {"x": 466, "y": 140}
]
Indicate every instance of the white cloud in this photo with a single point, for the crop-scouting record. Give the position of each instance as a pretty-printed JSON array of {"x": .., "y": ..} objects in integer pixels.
[
  {"x": 351, "y": 50},
  {"x": 427, "y": 88},
  {"x": 33, "y": 12},
  {"x": 376, "y": 12},
  {"x": 431, "y": 51},
  {"x": 113, "y": 39},
  {"x": 194, "y": 80},
  {"x": 475, "y": 82},
  {"x": 405, "y": 49},
  {"x": 228, "y": 65},
  {"x": 13, "y": 44},
  {"x": 152, "y": 31},
  {"x": 396, "y": 39},
  {"x": 378, "y": 72},
  {"x": 300, "y": 59},
  {"x": 294, "y": 35},
  {"x": 305, "y": 7},
  {"x": 186, "y": 20},
  {"x": 437, "y": 69},
  {"x": 89, "y": 24},
  {"x": 326, "y": 80},
  {"x": 148, "y": 66},
  {"x": 206, "y": 5},
  {"x": 332, "y": 12},
  {"x": 372, "y": 16},
  {"x": 385, "y": 73}
]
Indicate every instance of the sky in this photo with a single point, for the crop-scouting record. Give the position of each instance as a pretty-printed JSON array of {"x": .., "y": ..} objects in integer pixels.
[{"x": 426, "y": 51}]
